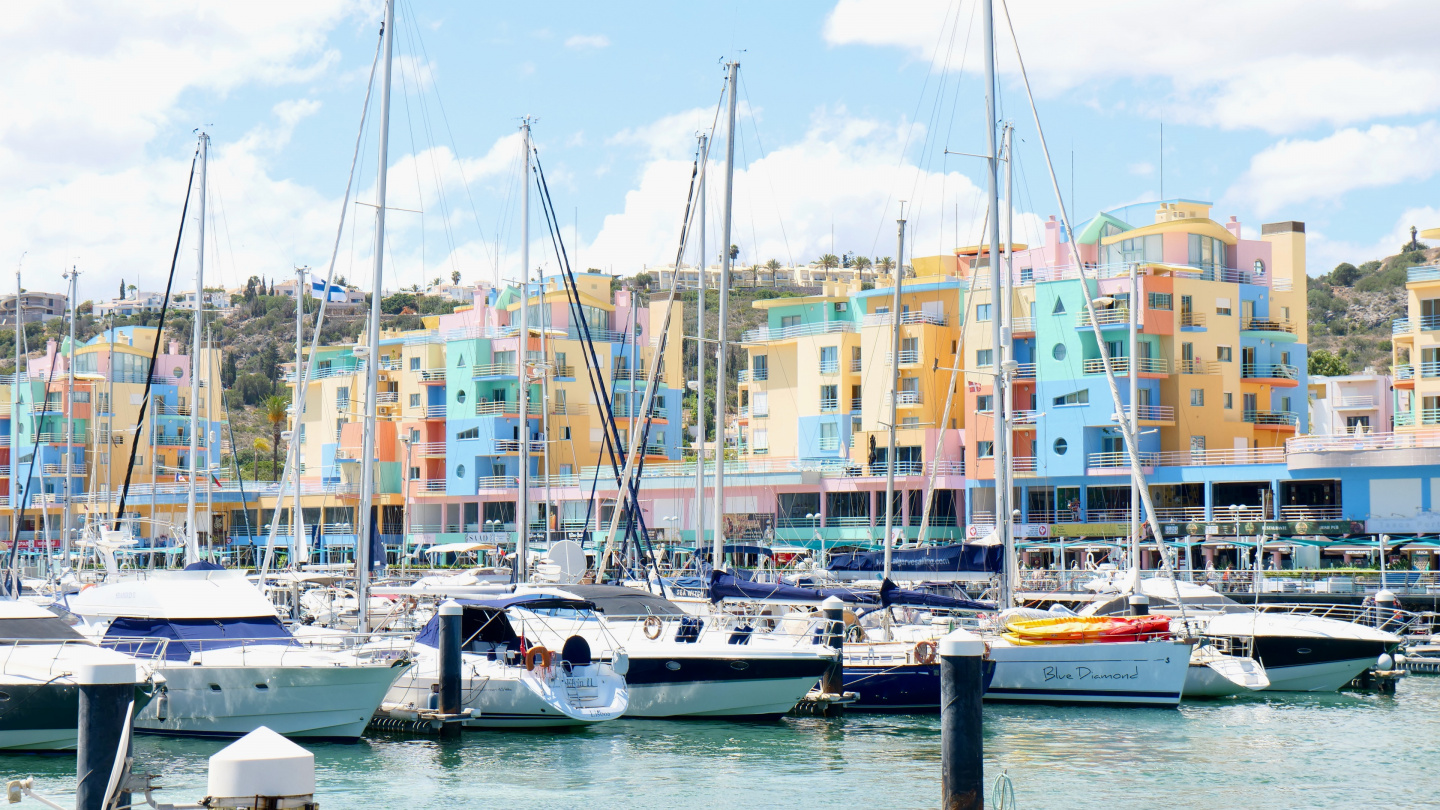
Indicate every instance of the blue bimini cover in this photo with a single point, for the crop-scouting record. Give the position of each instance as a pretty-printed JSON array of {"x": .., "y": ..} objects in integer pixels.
[
  {"x": 892, "y": 594},
  {"x": 928, "y": 560},
  {"x": 726, "y": 586},
  {"x": 188, "y": 636}
]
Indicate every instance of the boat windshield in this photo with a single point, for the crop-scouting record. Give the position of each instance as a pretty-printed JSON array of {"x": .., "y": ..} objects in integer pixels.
[
  {"x": 37, "y": 630},
  {"x": 186, "y": 636}
]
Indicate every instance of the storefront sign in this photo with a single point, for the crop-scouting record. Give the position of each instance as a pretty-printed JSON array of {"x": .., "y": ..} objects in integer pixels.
[
  {"x": 1022, "y": 531},
  {"x": 1089, "y": 530},
  {"x": 1426, "y": 523},
  {"x": 749, "y": 525},
  {"x": 1328, "y": 528}
]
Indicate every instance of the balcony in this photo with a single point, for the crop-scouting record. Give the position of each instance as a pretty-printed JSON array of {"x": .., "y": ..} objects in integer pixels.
[
  {"x": 764, "y": 334},
  {"x": 1400, "y": 326},
  {"x": 1192, "y": 320},
  {"x": 1022, "y": 326},
  {"x": 1150, "y": 413},
  {"x": 1270, "y": 371},
  {"x": 829, "y": 443},
  {"x": 59, "y": 469},
  {"x": 1105, "y": 318},
  {"x": 1429, "y": 416},
  {"x": 855, "y": 365},
  {"x": 905, "y": 399},
  {"x": 382, "y": 398},
  {"x": 855, "y": 404},
  {"x": 512, "y": 446},
  {"x": 1404, "y": 372},
  {"x": 1024, "y": 464},
  {"x": 1352, "y": 403},
  {"x": 428, "y": 449},
  {"x": 1146, "y": 365},
  {"x": 829, "y": 405},
  {"x": 829, "y": 367},
  {"x": 502, "y": 407},
  {"x": 757, "y": 375},
  {"x": 913, "y": 317},
  {"x": 1025, "y": 371},
  {"x": 1312, "y": 512},
  {"x": 908, "y": 357},
  {"x": 1429, "y": 323},
  {"x": 493, "y": 370},
  {"x": 432, "y": 412},
  {"x": 634, "y": 375},
  {"x": 1191, "y": 366},
  {"x": 1272, "y": 419},
  {"x": 432, "y": 486},
  {"x": 1430, "y": 369},
  {"x": 1429, "y": 272},
  {"x": 1267, "y": 325},
  {"x": 569, "y": 409},
  {"x": 1024, "y": 417},
  {"x": 431, "y": 375},
  {"x": 565, "y": 370}
]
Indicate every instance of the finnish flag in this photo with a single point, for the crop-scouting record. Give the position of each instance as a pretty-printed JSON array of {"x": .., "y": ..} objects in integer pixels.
[{"x": 317, "y": 289}]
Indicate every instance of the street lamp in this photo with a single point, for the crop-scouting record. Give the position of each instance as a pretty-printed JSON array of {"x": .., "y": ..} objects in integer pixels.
[{"x": 405, "y": 504}]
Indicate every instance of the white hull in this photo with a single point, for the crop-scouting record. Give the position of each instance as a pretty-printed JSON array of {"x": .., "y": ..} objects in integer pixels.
[
  {"x": 297, "y": 701},
  {"x": 40, "y": 739},
  {"x": 501, "y": 696},
  {"x": 1224, "y": 676},
  {"x": 1330, "y": 676},
  {"x": 718, "y": 698},
  {"x": 1143, "y": 673}
]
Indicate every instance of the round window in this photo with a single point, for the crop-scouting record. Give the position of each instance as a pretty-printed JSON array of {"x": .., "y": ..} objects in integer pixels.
[
  {"x": 179, "y": 372},
  {"x": 1259, "y": 266},
  {"x": 460, "y": 471},
  {"x": 460, "y": 397},
  {"x": 1058, "y": 352},
  {"x": 1061, "y": 446}
]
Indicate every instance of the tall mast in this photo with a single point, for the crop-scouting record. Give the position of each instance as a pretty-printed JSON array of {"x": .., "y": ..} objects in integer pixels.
[
  {"x": 17, "y": 493},
  {"x": 1005, "y": 353},
  {"x": 192, "y": 539},
  {"x": 1002, "y": 419},
  {"x": 894, "y": 393},
  {"x": 74, "y": 276},
  {"x": 210, "y": 444},
  {"x": 1134, "y": 419},
  {"x": 522, "y": 501},
  {"x": 722, "y": 361},
  {"x": 299, "y": 553},
  {"x": 372, "y": 357},
  {"x": 700, "y": 359}
]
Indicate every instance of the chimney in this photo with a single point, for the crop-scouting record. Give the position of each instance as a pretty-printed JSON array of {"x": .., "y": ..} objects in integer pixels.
[
  {"x": 1233, "y": 226},
  {"x": 174, "y": 347}
]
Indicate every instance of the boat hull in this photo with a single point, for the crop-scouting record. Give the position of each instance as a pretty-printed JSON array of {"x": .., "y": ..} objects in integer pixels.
[
  {"x": 44, "y": 716},
  {"x": 507, "y": 697},
  {"x": 758, "y": 686},
  {"x": 1143, "y": 673},
  {"x": 1223, "y": 676},
  {"x": 1326, "y": 676},
  {"x": 297, "y": 701}
]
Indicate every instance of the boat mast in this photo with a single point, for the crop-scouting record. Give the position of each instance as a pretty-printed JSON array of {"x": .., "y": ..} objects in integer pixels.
[
  {"x": 722, "y": 360},
  {"x": 372, "y": 357},
  {"x": 209, "y": 445},
  {"x": 74, "y": 277},
  {"x": 1005, "y": 353},
  {"x": 1134, "y": 419},
  {"x": 898, "y": 280},
  {"x": 1001, "y": 421},
  {"x": 522, "y": 501},
  {"x": 299, "y": 554},
  {"x": 192, "y": 539},
  {"x": 700, "y": 360}
]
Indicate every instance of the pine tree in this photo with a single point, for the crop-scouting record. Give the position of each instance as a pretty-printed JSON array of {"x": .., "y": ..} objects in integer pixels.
[{"x": 122, "y": 289}]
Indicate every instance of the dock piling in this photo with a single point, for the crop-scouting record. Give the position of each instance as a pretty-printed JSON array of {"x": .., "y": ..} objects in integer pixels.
[
  {"x": 833, "y": 683},
  {"x": 450, "y": 613},
  {"x": 106, "y": 694},
  {"x": 1139, "y": 604},
  {"x": 962, "y": 766}
]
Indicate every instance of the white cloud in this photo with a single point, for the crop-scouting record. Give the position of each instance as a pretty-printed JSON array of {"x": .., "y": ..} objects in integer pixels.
[
  {"x": 582, "y": 41},
  {"x": 1323, "y": 253},
  {"x": 1279, "y": 66},
  {"x": 843, "y": 174},
  {"x": 1142, "y": 169},
  {"x": 1292, "y": 172},
  {"x": 673, "y": 136}
]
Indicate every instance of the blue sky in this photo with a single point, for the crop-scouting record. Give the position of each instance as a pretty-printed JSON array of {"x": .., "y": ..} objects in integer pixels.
[{"x": 1316, "y": 112}]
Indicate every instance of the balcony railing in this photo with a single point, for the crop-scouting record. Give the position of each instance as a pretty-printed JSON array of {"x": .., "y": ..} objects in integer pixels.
[
  {"x": 757, "y": 375},
  {"x": 905, "y": 398},
  {"x": 764, "y": 334},
  {"x": 641, "y": 374},
  {"x": 829, "y": 405},
  {"x": 1024, "y": 464},
  {"x": 431, "y": 374},
  {"x": 1025, "y": 371},
  {"x": 1429, "y": 323},
  {"x": 513, "y": 446},
  {"x": 1430, "y": 369},
  {"x": 433, "y": 412},
  {"x": 1191, "y": 366},
  {"x": 1400, "y": 326},
  {"x": 428, "y": 449},
  {"x": 1404, "y": 372},
  {"x": 855, "y": 364},
  {"x": 1146, "y": 365},
  {"x": 1022, "y": 325},
  {"x": 503, "y": 407},
  {"x": 494, "y": 370},
  {"x": 564, "y": 370},
  {"x": 829, "y": 443},
  {"x": 1192, "y": 320},
  {"x": 1280, "y": 418},
  {"x": 1190, "y": 458},
  {"x": 856, "y": 403},
  {"x": 1312, "y": 512},
  {"x": 1353, "y": 402},
  {"x": 1427, "y": 416},
  {"x": 1267, "y": 325},
  {"x": 58, "y": 469},
  {"x": 382, "y": 398},
  {"x": 569, "y": 409},
  {"x": 908, "y": 357},
  {"x": 1429, "y": 272},
  {"x": 1024, "y": 417},
  {"x": 828, "y": 367},
  {"x": 1269, "y": 371},
  {"x": 1151, "y": 413},
  {"x": 1115, "y": 316}
]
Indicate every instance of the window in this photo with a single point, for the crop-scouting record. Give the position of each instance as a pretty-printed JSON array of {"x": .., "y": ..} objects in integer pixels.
[
  {"x": 1197, "y": 444},
  {"x": 760, "y": 403},
  {"x": 761, "y": 440},
  {"x": 1206, "y": 252},
  {"x": 761, "y": 367},
  {"x": 471, "y": 433},
  {"x": 1224, "y": 354},
  {"x": 414, "y": 473},
  {"x": 565, "y": 433},
  {"x": 1139, "y": 249},
  {"x": 1285, "y": 313},
  {"x": 982, "y": 312},
  {"x": 787, "y": 321},
  {"x": 414, "y": 364},
  {"x": 460, "y": 471},
  {"x": 1229, "y": 401},
  {"x": 460, "y": 396},
  {"x": 984, "y": 403},
  {"x": 1059, "y": 307},
  {"x": 302, "y": 434},
  {"x": 829, "y": 398},
  {"x": 829, "y": 359},
  {"x": 1059, "y": 351},
  {"x": 829, "y": 436},
  {"x": 910, "y": 421},
  {"x": 984, "y": 357},
  {"x": 1222, "y": 306},
  {"x": 1027, "y": 275},
  {"x": 1074, "y": 398},
  {"x": 415, "y": 434},
  {"x": 1161, "y": 301},
  {"x": 1061, "y": 446},
  {"x": 460, "y": 361},
  {"x": 985, "y": 449},
  {"x": 1197, "y": 397},
  {"x": 414, "y": 400},
  {"x": 81, "y": 396}
]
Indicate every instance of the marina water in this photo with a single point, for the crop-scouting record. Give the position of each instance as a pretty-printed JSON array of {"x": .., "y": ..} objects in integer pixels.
[{"x": 1323, "y": 750}]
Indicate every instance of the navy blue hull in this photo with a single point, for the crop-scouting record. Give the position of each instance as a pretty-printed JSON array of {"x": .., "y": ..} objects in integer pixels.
[{"x": 905, "y": 688}]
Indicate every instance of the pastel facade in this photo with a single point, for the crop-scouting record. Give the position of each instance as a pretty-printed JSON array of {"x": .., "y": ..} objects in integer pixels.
[{"x": 1352, "y": 404}]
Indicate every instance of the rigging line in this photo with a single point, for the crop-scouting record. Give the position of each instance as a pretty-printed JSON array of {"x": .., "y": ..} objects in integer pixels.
[
  {"x": 926, "y": 158},
  {"x": 420, "y": 99},
  {"x": 464, "y": 182},
  {"x": 415, "y": 164},
  {"x": 960, "y": 76},
  {"x": 910, "y": 130},
  {"x": 12, "y": 572},
  {"x": 744, "y": 89},
  {"x": 154, "y": 350},
  {"x": 302, "y": 379}
]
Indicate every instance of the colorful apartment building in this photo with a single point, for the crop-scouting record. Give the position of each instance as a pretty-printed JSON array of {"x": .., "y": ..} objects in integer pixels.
[{"x": 1415, "y": 341}]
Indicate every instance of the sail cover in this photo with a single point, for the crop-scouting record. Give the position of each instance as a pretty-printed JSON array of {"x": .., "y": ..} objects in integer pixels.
[
  {"x": 892, "y": 594},
  {"x": 726, "y": 586},
  {"x": 928, "y": 560}
]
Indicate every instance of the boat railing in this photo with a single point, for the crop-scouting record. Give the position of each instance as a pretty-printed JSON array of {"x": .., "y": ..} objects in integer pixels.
[
  {"x": 1388, "y": 619},
  {"x": 369, "y": 648},
  {"x": 57, "y": 665}
]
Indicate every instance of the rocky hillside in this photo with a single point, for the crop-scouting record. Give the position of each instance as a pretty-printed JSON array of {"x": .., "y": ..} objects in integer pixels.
[{"x": 1351, "y": 309}]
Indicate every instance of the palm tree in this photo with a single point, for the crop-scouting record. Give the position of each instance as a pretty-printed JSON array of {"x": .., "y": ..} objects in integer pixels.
[
  {"x": 885, "y": 264},
  {"x": 455, "y": 277},
  {"x": 861, "y": 265},
  {"x": 276, "y": 410},
  {"x": 261, "y": 445}
]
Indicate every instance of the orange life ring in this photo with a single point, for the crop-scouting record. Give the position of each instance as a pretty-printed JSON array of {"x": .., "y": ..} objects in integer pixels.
[
  {"x": 653, "y": 626},
  {"x": 547, "y": 658},
  {"x": 925, "y": 652},
  {"x": 87, "y": 586}
]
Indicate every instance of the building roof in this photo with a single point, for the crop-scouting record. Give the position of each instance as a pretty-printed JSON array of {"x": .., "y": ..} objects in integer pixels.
[
  {"x": 1202, "y": 226},
  {"x": 1090, "y": 231}
]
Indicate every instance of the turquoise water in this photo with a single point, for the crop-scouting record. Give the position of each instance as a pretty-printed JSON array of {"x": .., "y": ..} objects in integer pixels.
[{"x": 1290, "y": 751}]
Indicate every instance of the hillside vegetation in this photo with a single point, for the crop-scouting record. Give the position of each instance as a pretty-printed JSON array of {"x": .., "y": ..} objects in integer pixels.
[{"x": 1351, "y": 309}]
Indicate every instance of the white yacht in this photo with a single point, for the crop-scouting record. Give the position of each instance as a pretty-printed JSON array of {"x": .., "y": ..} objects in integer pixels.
[
  {"x": 690, "y": 666},
  {"x": 511, "y": 678},
  {"x": 39, "y": 698},
  {"x": 229, "y": 663}
]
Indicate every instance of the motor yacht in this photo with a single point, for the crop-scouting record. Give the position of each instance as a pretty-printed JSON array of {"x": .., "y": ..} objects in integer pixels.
[
  {"x": 510, "y": 678},
  {"x": 39, "y": 697},
  {"x": 230, "y": 664}
]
